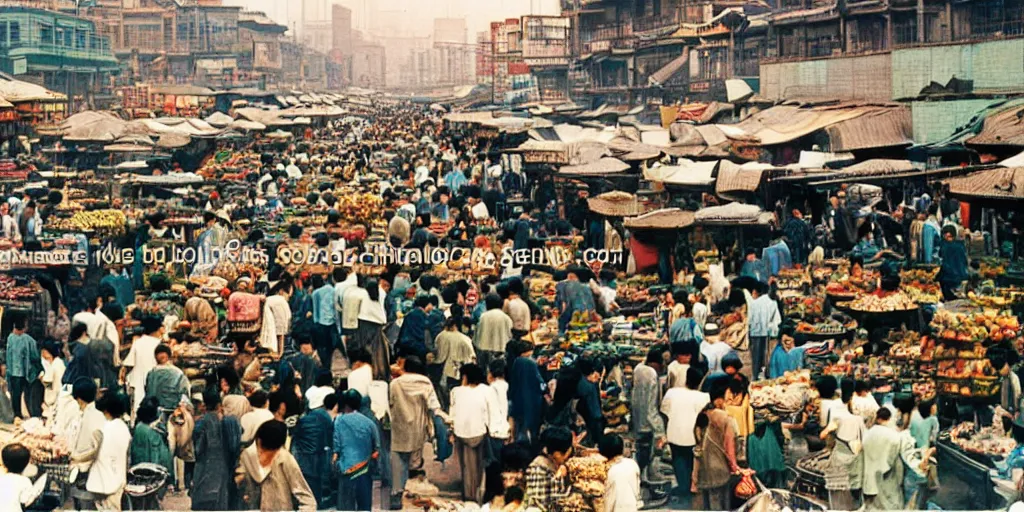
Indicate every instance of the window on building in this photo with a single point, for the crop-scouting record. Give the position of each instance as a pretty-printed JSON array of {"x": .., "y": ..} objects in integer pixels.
[
  {"x": 3, "y": 33},
  {"x": 15, "y": 32},
  {"x": 69, "y": 37},
  {"x": 46, "y": 33},
  {"x": 80, "y": 36}
]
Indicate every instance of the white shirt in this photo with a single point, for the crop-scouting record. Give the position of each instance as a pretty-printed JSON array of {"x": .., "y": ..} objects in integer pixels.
[
  {"x": 373, "y": 311},
  {"x": 864, "y": 406},
  {"x": 677, "y": 374},
  {"x": 339, "y": 292},
  {"x": 421, "y": 175},
  {"x": 98, "y": 327},
  {"x": 351, "y": 304},
  {"x": 293, "y": 172},
  {"x": 700, "y": 313},
  {"x": 141, "y": 359},
  {"x": 110, "y": 469},
  {"x": 360, "y": 379},
  {"x": 315, "y": 396},
  {"x": 622, "y": 487},
  {"x": 498, "y": 408},
  {"x": 15, "y": 491},
  {"x": 252, "y": 420},
  {"x": 480, "y": 211},
  {"x": 469, "y": 411},
  {"x": 682, "y": 406}
]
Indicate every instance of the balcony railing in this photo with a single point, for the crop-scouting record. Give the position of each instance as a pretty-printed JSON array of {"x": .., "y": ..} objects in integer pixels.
[
  {"x": 652, "y": 23},
  {"x": 62, "y": 51},
  {"x": 985, "y": 26}
]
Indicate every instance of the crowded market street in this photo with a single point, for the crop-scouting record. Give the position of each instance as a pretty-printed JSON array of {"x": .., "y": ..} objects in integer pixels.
[{"x": 365, "y": 302}]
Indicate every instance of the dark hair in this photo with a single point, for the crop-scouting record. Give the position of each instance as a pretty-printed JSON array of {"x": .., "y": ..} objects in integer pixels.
[
  {"x": 361, "y": 355},
  {"x": 925, "y": 408},
  {"x": 654, "y": 356},
  {"x": 112, "y": 404},
  {"x": 294, "y": 231},
  {"x": 317, "y": 281},
  {"x": 77, "y": 330},
  {"x": 330, "y": 401},
  {"x": 147, "y": 413},
  {"x": 611, "y": 446},
  {"x": 84, "y": 389},
  {"x": 700, "y": 283},
  {"x": 586, "y": 366},
  {"x": 497, "y": 368},
  {"x": 472, "y": 373},
  {"x": 15, "y": 457},
  {"x": 737, "y": 387},
  {"x": 693, "y": 378},
  {"x": 351, "y": 399},
  {"x": 162, "y": 349},
  {"x": 514, "y": 494},
  {"x": 847, "y": 386},
  {"x": 305, "y": 341},
  {"x": 272, "y": 435},
  {"x": 862, "y": 385},
  {"x": 516, "y": 286},
  {"x": 286, "y": 397},
  {"x": 422, "y": 301},
  {"x": 340, "y": 274},
  {"x": 883, "y": 414},
  {"x": 826, "y": 387},
  {"x": 211, "y": 399},
  {"x": 52, "y": 347},
  {"x": 20, "y": 321},
  {"x": 414, "y": 364},
  {"x": 493, "y": 301},
  {"x": 717, "y": 391},
  {"x": 323, "y": 378},
  {"x": 151, "y": 324},
  {"x": 556, "y": 440},
  {"x": 258, "y": 399}
]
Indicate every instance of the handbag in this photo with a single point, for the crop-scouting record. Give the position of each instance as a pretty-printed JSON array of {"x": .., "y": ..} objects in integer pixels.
[{"x": 745, "y": 487}]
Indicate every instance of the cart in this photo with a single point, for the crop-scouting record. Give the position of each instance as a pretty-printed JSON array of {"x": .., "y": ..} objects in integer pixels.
[
  {"x": 146, "y": 483},
  {"x": 59, "y": 480}
]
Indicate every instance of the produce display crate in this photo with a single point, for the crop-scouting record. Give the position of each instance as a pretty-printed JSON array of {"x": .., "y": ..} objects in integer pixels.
[{"x": 59, "y": 480}]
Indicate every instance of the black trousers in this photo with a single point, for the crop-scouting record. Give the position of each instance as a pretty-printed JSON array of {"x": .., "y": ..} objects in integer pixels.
[{"x": 33, "y": 393}]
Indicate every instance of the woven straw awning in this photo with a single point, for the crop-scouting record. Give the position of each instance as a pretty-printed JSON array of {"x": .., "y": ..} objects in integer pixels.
[
  {"x": 616, "y": 204},
  {"x": 668, "y": 218}
]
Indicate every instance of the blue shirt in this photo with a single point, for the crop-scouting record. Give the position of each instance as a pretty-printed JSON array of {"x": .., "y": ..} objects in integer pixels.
[
  {"x": 323, "y": 305},
  {"x": 23, "y": 356},
  {"x": 764, "y": 318},
  {"x": 455, "y": 180},
  {"x": 923, "y": 430},
  {"x": 756, "y": 269},
  {"x": 930, "y": 237},
  {"x": 685, "y": 329},
  {"x": 783, "y": 361},
  {"x": 355, "y": 440}
]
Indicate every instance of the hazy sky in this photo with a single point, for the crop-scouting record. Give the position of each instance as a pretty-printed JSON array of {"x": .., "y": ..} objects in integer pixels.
[{"x": 412, "y": 16}]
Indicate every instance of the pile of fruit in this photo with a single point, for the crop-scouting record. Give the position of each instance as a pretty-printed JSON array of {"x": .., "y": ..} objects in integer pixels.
[
  {"x": 953, "y": 352},
  {"x": 965, "y": 369},
  {"x": 986, "y": 441},
  {"x": 43, "y": 446},
  {"x": 827, "y": 327},
  {"x": 359, "y": 208},
  {"x": 874, "y": 304},
  {"x": 842, "y": 288},
  {"x": 110, "y": 222},
  {"x": 805, "y": 307},
  {"x": 968, "y": 328},
  {"x": 781, "y": 395},
  {"x": 10, "y": 290},
  {"x": 921, "y": 285},
  {"x": 1003, "y": 297},
  {"x": 991, "y": 268}
]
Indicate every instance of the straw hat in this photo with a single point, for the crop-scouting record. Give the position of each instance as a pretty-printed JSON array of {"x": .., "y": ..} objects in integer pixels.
[{"x": 616, "y": 204}]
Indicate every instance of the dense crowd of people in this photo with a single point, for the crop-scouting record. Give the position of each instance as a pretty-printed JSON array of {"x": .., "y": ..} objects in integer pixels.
[{"x": 354, "y": 370}]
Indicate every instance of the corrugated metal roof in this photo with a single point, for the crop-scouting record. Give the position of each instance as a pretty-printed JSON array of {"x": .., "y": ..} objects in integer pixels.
[
  {"x": 785, "y": 123},
  {"x": 1005, "y": 128},
  {"x": 601, "y": 167},
  {"x": 885, "y": 128},
  {"x": 737, "y": 178},
  {"x": 1003, "y": 183}
]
